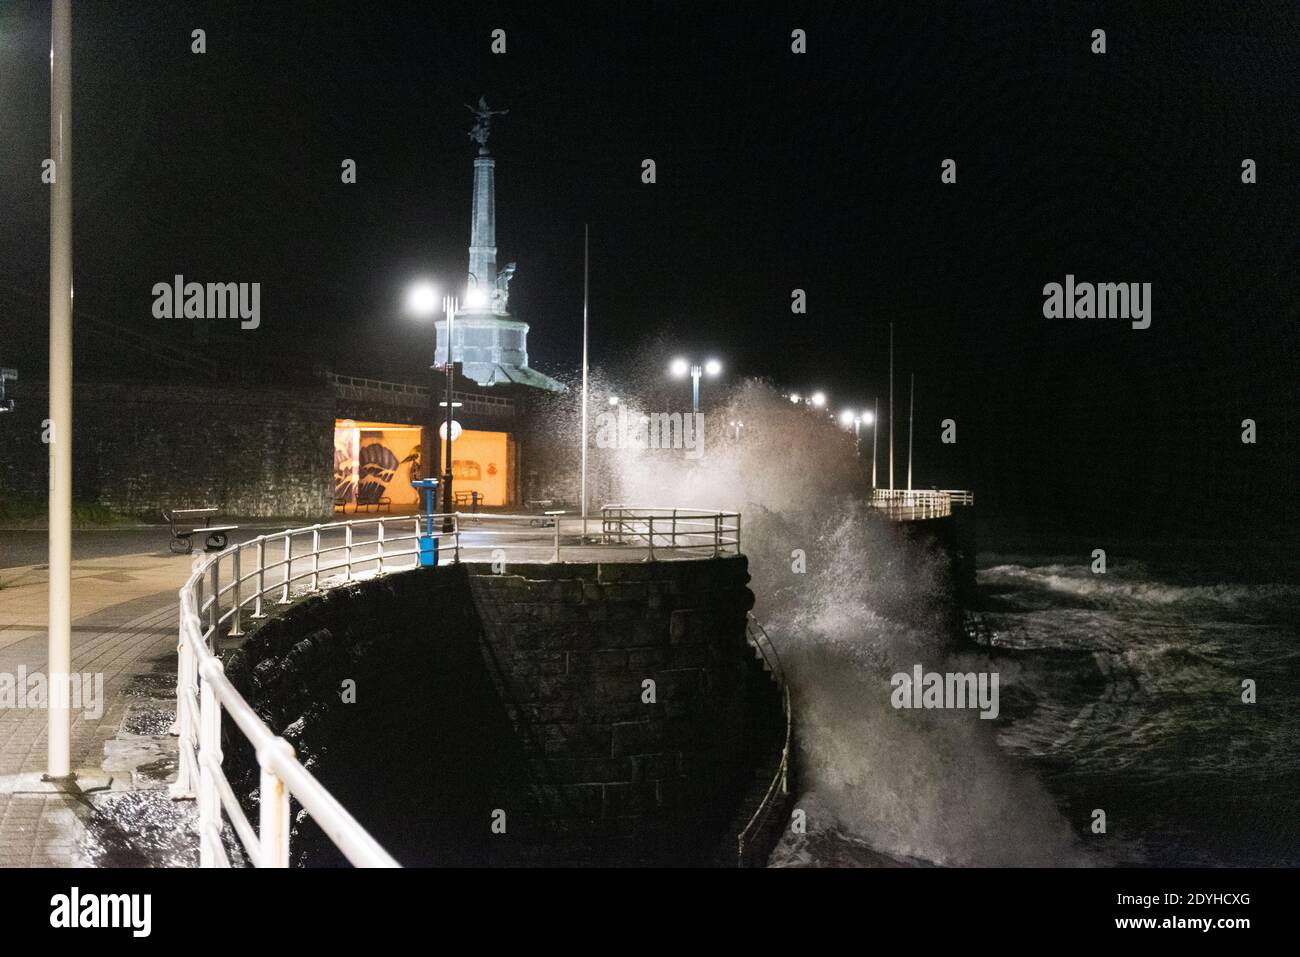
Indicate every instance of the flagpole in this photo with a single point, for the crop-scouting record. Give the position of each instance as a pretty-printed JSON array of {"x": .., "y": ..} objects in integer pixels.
[
  {"x": 586, "y": 265},
  {"x": 911, "y": 405},
  {"x": 875, "y": 434},
  {"x": 891, "y": 406}
]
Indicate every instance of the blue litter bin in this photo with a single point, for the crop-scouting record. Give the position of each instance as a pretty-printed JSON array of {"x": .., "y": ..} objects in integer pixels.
[{"x": 428, "y": 541}]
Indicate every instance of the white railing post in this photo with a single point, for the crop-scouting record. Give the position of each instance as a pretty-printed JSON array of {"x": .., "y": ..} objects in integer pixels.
[
  {"x": 347, "y": 552},
  {"x": 288, "y": 568},
  {"x": 185, "y": 784},
  {"x": 235, "y": 630},
  {"x": 261, "y": 578},
  {"x": 273, "y": 810},
  {"x": 379, "y": 545},
  {"x": 717, "y": 535},
  {"x": 214, "y": 607},
  {"x": 315, "y": 558},
  {"x": 556, "y": 556},
  {"x": 651, "y": 538},
  {"x": 209, "y": 760}
]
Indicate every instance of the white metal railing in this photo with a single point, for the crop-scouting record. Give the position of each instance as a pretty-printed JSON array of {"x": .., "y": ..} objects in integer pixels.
[
  {"x": 959, "y": 496},
  {"x": 907, "y": 505},
  {"x": 240, "y": 582},
  {"x": 758, "y": 637},
  {"x": 691, "y": 530}
]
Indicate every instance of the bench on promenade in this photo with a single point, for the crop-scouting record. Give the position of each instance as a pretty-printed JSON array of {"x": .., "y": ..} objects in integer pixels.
[{"x": 185, "y": 526}]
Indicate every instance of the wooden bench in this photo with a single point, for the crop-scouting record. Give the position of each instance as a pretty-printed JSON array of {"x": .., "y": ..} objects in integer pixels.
[{"x": 184, "y": 527}]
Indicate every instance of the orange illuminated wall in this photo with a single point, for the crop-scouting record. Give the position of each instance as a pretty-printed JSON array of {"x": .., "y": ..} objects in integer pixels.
[
  {"x": 374, "y": 461},
  {"x": 480, "y": 463}
]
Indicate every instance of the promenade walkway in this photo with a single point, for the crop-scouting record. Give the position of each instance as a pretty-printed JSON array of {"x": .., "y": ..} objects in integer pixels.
[
  {"x": 123, "y": 629},
  {"x": 124, "y": 637}
]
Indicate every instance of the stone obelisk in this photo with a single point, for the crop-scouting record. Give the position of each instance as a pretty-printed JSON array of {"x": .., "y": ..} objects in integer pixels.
[
  {"x": 483, "y": 226},
  {"x": 490, "y": 344}
]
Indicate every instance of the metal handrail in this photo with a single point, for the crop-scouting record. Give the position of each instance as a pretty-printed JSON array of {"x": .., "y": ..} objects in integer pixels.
[
  {"x": 211, "y": 602},
  {"x": 757, "y": 636},
  {"x": 911, "y": 504}
]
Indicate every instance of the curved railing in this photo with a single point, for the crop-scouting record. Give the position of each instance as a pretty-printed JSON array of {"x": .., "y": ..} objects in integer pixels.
[
  {"x": 906, "y": 505},
  {"x": 239, "y": 582},
  {"x": 780, "y": 786}
]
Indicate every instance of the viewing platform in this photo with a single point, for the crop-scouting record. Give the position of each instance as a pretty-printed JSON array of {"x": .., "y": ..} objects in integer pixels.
[{"x": 913, "y": 505}]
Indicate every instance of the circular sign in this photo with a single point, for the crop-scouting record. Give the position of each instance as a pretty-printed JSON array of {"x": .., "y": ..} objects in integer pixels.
[{"x": 456, "y": 430}]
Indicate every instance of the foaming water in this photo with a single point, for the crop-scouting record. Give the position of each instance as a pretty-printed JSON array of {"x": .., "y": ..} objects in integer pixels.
[{"x": 879, "y": 785}]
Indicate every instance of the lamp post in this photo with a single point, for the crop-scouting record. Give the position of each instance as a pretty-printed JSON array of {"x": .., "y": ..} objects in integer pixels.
[
  {"x": 450, "y": 304},
  {"x": 422, "y": 301},
  {"x": 681, "y": 367},
  {"x": 59, "y": 737},
  {"x": 857, "y": 420}
]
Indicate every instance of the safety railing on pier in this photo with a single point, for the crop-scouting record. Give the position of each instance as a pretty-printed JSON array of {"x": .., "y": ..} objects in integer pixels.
[
  {"x": 748, "y": 838},
  {"x": 240, "y": 583},
  {"x": 906, "y": 505},
  {"x": 690, "y": 530}
]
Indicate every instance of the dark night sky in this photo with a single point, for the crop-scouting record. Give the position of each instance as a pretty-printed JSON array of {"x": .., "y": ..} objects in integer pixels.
[{"x": 775, "y": 172}]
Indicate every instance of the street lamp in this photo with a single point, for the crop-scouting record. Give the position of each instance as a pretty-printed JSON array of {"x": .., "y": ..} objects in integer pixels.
[
  {"x": 422, "y": 302},
  {"x": 858, "y": 420},
  {"x": 818, "y": 399},
  {"x": 680, "y": 367}
]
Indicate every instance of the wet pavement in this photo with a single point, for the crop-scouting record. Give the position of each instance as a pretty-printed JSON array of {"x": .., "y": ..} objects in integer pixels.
[{"x": 116, "y": 812}]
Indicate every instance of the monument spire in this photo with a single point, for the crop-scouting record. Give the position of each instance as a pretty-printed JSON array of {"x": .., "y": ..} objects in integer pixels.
[
  {"x": 482, "y": 279},
  {"x": 490, "y": 344}
]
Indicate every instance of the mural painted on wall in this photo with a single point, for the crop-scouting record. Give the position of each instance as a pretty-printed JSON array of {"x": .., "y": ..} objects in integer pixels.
[
  {"x": 479, "y": 463},
  {"x": 374, "y": 465}
]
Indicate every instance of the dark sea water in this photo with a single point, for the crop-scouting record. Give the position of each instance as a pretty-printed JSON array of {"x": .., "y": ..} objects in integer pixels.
[
  {"x": 1123, "y": 692},
  {"x": 1120, "y": 692}
]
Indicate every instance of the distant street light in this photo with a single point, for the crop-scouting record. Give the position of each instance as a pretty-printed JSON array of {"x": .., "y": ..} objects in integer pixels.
[
  {"x": 846, "y": 418},
  {"x": 613, "y": 400},
  {"x": 795, "y": 398},
  {"x": 680, "y": 367},
  {"x": 422, "y": 300},
  {"x": 818, "y": 399}
]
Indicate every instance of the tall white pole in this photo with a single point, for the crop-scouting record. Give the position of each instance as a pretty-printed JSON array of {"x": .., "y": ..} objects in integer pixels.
[
  {"x": 875, "y": 431},
  {"x": 60, "y": 518},
  {"x": 911, "y": 406},
  {"x": 891, "y": 406},
  {"x": 586, "y": 265}
]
